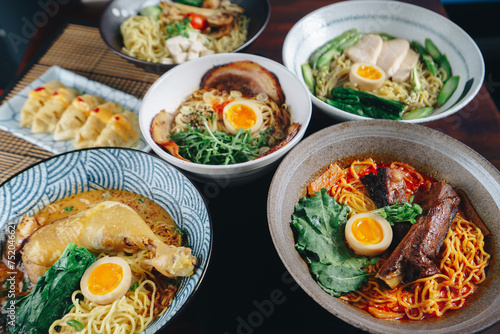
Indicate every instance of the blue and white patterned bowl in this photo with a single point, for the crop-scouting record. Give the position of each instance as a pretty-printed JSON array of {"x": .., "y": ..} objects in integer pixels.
[
  {"x": 398, "y": 19},
  {"x": 114, "y": 168}
]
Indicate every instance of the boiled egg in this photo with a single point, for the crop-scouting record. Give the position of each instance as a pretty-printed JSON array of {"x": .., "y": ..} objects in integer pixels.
[
  {"x": 106, "y": 280},
  {"x": 242, "y": 114},
  {"x": 368, "y": 234},
  {"x": 367, "y": 76}
]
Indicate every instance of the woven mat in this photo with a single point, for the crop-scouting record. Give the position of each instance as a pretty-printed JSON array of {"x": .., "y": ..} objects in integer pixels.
[{"x": 81, "y": 50}]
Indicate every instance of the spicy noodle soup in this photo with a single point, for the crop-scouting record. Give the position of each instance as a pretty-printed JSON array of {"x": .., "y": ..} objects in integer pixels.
[{"x": 387, "y": 283}]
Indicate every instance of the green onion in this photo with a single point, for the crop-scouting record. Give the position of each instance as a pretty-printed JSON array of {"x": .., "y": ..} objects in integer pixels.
[
  {"x": 77, "y": 325},
  {"x": 68, "y": 208}
]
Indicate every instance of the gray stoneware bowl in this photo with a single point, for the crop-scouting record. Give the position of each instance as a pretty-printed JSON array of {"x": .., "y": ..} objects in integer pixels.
[
  {"x": 398, "y": 19},
  {"x": 428, "y": 150},
  {"x": 259, "y": 12}
]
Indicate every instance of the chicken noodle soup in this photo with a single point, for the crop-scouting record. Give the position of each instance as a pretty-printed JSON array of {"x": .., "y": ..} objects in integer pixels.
[
  {"x": 127, "y": 233},
  {"x": 397, "y": 243}
]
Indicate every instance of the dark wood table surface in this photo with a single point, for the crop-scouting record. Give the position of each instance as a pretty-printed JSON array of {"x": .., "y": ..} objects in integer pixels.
[{"x": 247, "y": 289}]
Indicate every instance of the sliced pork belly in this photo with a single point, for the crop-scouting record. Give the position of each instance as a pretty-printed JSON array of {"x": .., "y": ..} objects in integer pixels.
[
  {"x": 392, "y": 55},
  {"x": 386, "y": 187},
  {"x": 404, "y": 71},
  {"x": 366, "y": 50},
  {"x": 414, "y": 257}
]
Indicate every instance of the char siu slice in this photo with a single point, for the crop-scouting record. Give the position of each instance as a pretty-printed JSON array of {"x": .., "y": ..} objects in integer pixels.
[{"x": 414, "y": 257}]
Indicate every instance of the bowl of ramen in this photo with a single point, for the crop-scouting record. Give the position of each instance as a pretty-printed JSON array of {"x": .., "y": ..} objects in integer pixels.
[
  {"x": 384, "y": 60},
  {"x": 392, "y": 227},
  {"x": 226, "y": 118},
  {"x": 156, "y": 35},
  {"x": 109, "y": 240}
]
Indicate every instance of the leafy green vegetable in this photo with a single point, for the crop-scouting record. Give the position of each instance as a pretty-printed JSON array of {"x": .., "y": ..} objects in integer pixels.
[
  {"x": 51, "y": 296},
  {"x": 77, "y": 325},
  {"x": 400, "y": 212},
  {"x": 365, "y": 104},
  {"x": 318, "y": 223},
  {"x": 208, "y": 147},
  {"x": 178, "y": 28}
]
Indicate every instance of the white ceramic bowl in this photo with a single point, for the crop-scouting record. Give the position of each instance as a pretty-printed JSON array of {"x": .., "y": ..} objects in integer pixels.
[
  {"x": 181, "y": 81},
  {"x": 119, "y": 169},
  {"x": 398, "y": 19}
]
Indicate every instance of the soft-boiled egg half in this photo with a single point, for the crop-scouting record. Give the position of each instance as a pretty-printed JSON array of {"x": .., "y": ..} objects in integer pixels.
[
  {"x": 243, "y": 114},
  {"x": 368, "y": 234},
  {"x": 106, "y": 280},
  {"x": 367, "y": 76}
]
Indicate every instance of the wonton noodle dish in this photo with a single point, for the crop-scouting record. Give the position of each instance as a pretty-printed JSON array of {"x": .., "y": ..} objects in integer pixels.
[
  {"x": 397, "y": 244},
  {"x": 380, "y": 76},
  {"x": 175, "y": 32},
  {"x": 238, "y": 114},
  {"x": 102, "y": 261}
]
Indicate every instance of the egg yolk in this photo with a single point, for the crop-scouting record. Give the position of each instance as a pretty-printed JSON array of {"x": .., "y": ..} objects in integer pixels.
[
  {"x": 367, "y": 231},
  {"x": 369, "y": 72},
  {"x": 241, "y": 116},
  {"x": 105, "y": 278}
]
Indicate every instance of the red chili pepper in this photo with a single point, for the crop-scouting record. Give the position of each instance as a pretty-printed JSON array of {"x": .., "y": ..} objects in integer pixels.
[
  {"x": 39, "y": 89},
  {"x": 79, "y": 99},
  {"x": 95, "y": 110}
]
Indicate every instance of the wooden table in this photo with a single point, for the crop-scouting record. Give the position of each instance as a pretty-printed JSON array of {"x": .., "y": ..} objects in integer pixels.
[{"x": 246, "y": 289}]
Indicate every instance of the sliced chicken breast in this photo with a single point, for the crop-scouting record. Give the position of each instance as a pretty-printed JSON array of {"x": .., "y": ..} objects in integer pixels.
[
  {"x": 366, "y": 50},
  {"x": 392, "y": 55},
  {"x": 405, "y": 69}
]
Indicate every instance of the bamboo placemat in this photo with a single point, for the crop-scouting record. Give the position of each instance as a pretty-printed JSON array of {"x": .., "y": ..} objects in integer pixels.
[{"x": 81, "y": 50}]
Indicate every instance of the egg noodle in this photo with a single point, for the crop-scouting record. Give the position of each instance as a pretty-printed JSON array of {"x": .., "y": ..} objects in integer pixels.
[
  {"x": 337, "y": 74},
  {"x": 144, "y": 38},
  {"x": 138, "y": 308},
  {"x": 209, "y": 103},
  {"x": 462, "y": 262}
]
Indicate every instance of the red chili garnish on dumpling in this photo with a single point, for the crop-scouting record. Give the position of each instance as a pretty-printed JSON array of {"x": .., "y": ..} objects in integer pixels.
[
  {"x": 117, "y": 118},
  {"x": 55, "y": 93},
  {"x": 39, "y": 89},
  {"x": 79, "y": 99},
  {"x": 95, "y": 110}
]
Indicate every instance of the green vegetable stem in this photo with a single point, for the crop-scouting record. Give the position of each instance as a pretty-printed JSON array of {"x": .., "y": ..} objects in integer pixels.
[{"x": 333, "y": 43}]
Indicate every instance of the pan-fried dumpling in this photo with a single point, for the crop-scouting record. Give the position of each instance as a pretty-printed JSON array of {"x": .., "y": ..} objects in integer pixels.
[
  {"x": 122, "y": 130},
  {"x": 46, "y": 118},
  {"x": 36, "y": 99},
  {"x": 75, "y": 116},
  {"x": 96, "y": 122}
]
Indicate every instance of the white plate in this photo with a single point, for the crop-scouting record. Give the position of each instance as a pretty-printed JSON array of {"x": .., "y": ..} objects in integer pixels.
[{"x": 10, "y": 112}]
